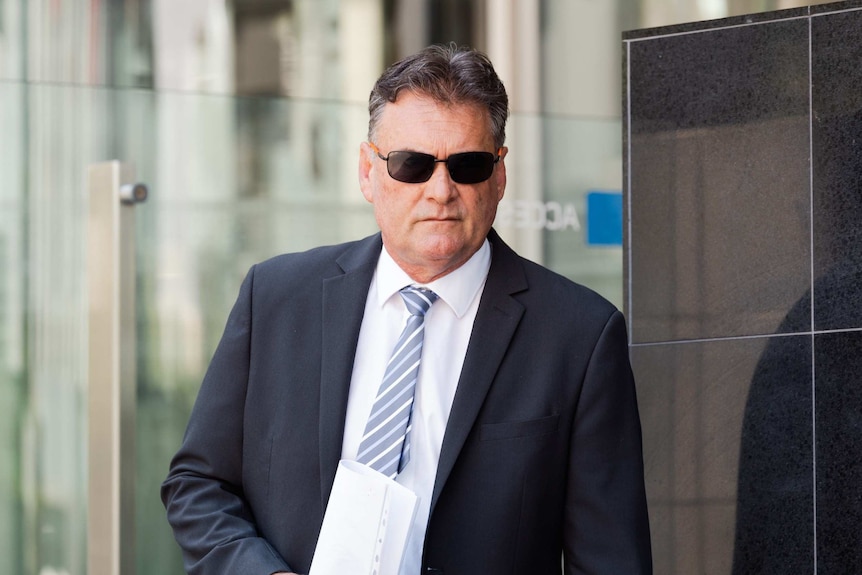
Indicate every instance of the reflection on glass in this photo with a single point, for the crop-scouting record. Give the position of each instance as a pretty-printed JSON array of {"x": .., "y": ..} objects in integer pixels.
[{"x": 12, "y": 325}]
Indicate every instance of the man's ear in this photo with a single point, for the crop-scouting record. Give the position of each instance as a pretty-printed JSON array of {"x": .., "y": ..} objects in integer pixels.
[
  {"x": 500, "y": 174},
  {"x": 366, "y": 165}
]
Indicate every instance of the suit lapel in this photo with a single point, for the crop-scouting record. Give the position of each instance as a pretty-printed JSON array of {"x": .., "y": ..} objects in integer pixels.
[
  {"x": 343, "y": 304},
  {"x": 496, "y": 320}
]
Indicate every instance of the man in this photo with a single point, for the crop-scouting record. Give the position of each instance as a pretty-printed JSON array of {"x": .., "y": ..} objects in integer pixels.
[{"x": 523, "y": 442}]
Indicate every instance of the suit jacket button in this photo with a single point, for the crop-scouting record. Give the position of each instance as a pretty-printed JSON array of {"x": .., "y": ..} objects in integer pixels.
[{"x": 433, "y": 571}]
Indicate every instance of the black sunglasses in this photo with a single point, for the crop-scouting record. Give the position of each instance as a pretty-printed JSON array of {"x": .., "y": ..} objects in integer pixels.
[{"x": 416, "y": 167}]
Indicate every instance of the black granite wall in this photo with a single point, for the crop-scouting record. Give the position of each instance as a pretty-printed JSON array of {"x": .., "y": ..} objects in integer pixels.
[{"x": 743, "y": 182}]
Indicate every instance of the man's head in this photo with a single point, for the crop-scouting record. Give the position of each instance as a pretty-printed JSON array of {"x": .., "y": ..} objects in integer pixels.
[
  {"x": 444, "y": 103},
  {"x": 448, "y": 75}
]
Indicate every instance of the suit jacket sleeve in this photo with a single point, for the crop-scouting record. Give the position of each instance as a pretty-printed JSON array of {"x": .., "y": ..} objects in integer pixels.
[
  {"x": 203, "y": 493},
  {"x": 606, "y": 522}
]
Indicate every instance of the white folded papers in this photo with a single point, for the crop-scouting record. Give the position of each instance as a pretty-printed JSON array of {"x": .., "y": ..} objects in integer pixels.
[{"x": 367, "y": 522}]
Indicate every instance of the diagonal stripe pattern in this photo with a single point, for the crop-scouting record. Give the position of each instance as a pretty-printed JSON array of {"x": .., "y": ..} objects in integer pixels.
[{"x": 385, "y": 445}]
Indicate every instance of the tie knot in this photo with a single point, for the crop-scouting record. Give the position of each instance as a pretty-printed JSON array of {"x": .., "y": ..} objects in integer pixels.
[{"x": 418, "y": 300}]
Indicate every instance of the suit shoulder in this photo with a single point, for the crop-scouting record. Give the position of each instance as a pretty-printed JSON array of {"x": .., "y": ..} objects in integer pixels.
[
  {"x": 551, "y": 288},
  {"x": 544, "y": 290}
]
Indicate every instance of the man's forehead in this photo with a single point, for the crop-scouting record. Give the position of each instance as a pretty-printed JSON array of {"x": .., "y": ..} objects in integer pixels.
[
  {"x": 440, "y": 100},
  {"x": 415, "y": 112}
]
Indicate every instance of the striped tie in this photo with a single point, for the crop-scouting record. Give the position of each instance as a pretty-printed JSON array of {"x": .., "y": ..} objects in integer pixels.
[{"x": 385, "y": 444}]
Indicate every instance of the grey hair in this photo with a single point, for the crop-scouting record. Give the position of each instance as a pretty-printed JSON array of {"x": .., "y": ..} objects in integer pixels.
[{"x": 448, "y": 75}]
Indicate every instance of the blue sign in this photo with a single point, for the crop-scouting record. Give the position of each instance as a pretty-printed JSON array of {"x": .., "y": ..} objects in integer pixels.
[{"x": 604, "y": 218}]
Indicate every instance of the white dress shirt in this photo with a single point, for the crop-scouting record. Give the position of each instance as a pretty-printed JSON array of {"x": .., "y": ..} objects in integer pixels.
[{"x": 448, "y": 325}]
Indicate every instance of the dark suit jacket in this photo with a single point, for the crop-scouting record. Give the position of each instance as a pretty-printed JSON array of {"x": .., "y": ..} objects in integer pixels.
[{"x": 541, "y": 455}]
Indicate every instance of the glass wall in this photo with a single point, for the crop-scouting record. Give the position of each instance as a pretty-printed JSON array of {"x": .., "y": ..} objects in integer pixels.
[{"x": 244, "y": 118}]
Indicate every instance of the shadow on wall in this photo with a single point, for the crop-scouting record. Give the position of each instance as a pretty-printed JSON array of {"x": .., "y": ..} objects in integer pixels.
[{"x": 790, "y": 453}]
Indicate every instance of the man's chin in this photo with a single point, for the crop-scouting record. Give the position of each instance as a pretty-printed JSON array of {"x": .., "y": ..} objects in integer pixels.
[{"x": 447, "y": 252}]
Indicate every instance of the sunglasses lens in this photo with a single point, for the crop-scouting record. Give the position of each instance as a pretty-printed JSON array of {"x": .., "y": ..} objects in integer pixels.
[
  {"x": 471, "y": 167},
  {"x": 410, "y": 167},
  {"x": 464, "y": 168}
]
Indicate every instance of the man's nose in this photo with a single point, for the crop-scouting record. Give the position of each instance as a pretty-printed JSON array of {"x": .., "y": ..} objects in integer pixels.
[{"x": 440, "y": 186}]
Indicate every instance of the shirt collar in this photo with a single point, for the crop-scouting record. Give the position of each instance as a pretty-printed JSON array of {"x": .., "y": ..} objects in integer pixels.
[{"x": 457, "y": 288}]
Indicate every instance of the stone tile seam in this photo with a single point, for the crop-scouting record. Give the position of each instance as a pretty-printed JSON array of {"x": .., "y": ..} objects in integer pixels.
[
  {"x": 747, "y": 337},
  {"x": 811, "y": 234},
  {"x": 720, "y": 28},
  {"x": 743, "y": 25},
  {"x": 628, "y": 155}
]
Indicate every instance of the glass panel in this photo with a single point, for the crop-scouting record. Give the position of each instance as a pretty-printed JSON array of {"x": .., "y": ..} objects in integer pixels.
[
  {"x": 12, "y": 331},
  {"x": 583, "y": 168},
  {"x": 556, "y": 168},
  {"x": 64, "y": 131},
  {"x": 233, "y": 181},
  {"x": 11, "y": 40}
]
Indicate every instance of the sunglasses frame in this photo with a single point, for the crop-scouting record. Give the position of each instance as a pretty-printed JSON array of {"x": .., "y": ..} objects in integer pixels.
[{"x": 497, "y": 157}]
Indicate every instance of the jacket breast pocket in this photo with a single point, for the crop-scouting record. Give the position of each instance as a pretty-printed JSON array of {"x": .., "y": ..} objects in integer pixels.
[{"x": 514, "y": 429}]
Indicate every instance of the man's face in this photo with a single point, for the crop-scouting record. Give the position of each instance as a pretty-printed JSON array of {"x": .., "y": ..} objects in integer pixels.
[{"x": 433, "y": 227}]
